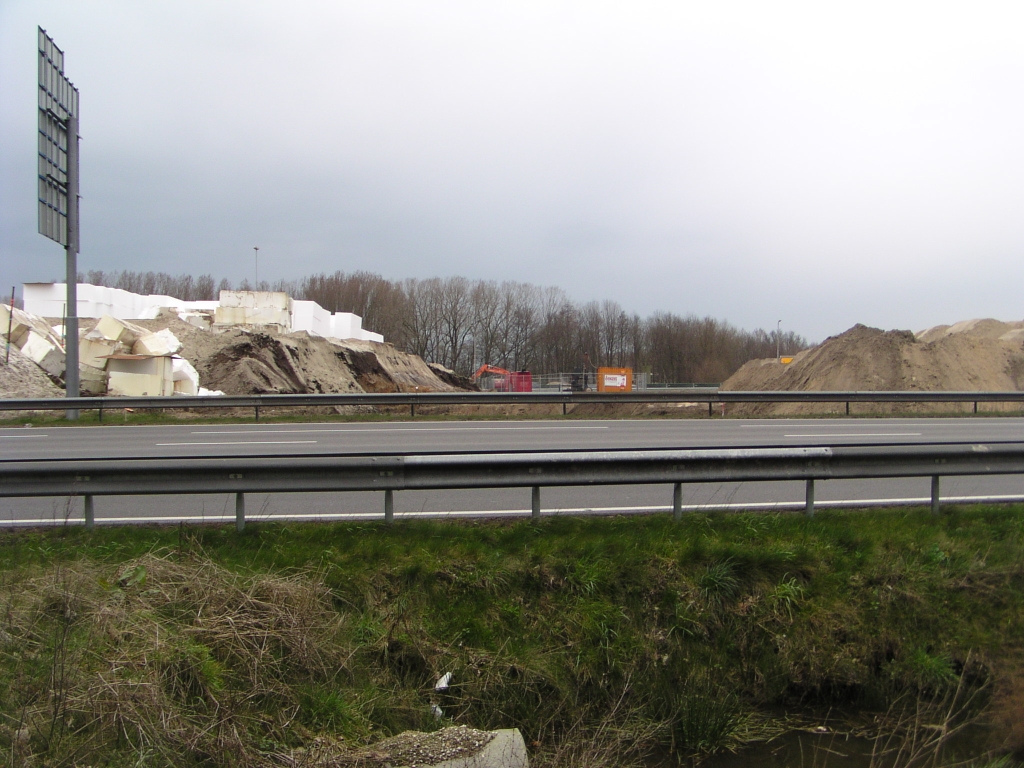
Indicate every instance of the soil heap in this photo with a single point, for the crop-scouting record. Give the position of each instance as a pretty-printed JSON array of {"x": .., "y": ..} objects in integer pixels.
[
  {"x": 249, "y": 361},
  {"x": 974, "y": 355},
  {"x": 240, "y": 361},
  {"x": 22, "y": 378}
]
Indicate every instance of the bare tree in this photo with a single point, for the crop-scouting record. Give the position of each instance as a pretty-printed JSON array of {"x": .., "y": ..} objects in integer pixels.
[{"x": 514, "y": 325}]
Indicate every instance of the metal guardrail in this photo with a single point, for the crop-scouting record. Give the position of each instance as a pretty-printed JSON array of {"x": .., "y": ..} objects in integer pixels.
[
  {"x": 710, "y": 396},
  {"x": 391, "y": 473}
]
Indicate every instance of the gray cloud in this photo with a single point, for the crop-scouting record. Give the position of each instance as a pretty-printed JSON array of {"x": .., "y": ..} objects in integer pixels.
[{"x": 821, "y": 165}]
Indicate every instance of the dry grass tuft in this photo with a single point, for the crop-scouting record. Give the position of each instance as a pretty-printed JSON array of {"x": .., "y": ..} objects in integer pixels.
[{"x": 184, "y": 660}]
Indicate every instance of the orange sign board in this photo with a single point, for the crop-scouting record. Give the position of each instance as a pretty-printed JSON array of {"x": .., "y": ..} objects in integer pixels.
[{"x": 614, "y": 379}]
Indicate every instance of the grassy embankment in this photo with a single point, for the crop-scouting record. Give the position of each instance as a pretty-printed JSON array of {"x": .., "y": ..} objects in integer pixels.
[{"x": 602, "y": 639}]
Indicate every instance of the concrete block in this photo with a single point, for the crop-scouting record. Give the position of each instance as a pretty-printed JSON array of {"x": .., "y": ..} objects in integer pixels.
[
  {"x": 229, "y": 315},
  {"x": 112, "y": 329},
  {"x": 22, "y": 322},
  {"x": 16, "y": 323},
  {"x": 185, "y": 376},
  {"x": 255, "y": 299},
  {"x": 92, "y": 381},
  {"x": 48, "y": 300},
  {"x": 45, "y": 299},
  {"x": 268, "y": 316},
  {"x": 199, "y": 319},
  {"x": 137, "y": 376},
  {"x": 186, "y": 388},
  {"x": 162, "y": 343},
  {"x": 43, "y": 353},
  {"x": 92, "y": 352},
  {"x": 310, "y": 317},
  {"x": 253, "y": 316},
  {"x": 506, "y": 750}
]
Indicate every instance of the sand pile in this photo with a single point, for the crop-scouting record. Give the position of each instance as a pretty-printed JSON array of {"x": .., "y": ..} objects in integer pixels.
[
  {"x": 22, "y": 378},
  {"x": 974, "y": 355},
  {"x": 243, "y": 362}
]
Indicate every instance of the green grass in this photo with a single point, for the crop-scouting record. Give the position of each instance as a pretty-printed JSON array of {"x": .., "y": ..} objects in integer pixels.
[{"x": 652, "y": 634}]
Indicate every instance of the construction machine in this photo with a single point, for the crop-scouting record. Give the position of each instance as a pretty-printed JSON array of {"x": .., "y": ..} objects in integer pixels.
[{"x": 506, "y": 381}]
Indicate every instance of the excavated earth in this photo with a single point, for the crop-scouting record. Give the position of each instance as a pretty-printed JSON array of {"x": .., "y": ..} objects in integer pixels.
[
  {"x": 22, "y": 378},
  {"x": 240, "y": 361},
  {"x": 974, "y": 355}
]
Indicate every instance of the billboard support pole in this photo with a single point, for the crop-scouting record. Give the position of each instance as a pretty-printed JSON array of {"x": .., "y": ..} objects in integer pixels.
[
  {"x": 58, "y": 189},
  {"x": 71, "y": 382}
]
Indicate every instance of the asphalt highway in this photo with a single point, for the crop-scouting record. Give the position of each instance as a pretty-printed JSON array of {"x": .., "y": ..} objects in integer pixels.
[
  {"x": 112, "y": 442},
  {"x": 458, "y": 437}
]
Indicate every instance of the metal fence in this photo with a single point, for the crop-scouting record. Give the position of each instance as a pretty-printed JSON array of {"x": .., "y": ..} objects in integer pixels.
[
  {"x": 572, "y": 382},
  {"x": 390, "y": 474},
  {"x": 709, "y": 396}
]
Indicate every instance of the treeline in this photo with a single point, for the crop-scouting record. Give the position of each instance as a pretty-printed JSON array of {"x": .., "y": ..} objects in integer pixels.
[{"x": 463, "y": 323}]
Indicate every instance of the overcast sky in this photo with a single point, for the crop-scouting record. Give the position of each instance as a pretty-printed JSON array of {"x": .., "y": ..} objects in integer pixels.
[{"x": 820, "y": 163}]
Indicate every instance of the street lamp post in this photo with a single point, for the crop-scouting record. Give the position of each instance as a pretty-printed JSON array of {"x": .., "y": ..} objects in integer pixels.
[
  {"x": 778, "y": 342},
  {"x": 257, "y": 249}
]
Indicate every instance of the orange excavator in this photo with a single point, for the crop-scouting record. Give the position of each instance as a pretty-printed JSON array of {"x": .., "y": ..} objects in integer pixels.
[
  {"x": 506, "y": 381},
  {"x": 489, "y": 369}
]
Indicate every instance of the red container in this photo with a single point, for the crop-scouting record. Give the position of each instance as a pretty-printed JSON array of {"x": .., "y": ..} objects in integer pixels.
[{"x": 521, "y": 381}]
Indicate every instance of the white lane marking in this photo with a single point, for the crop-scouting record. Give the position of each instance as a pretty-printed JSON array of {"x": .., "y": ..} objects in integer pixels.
[
  {"x": 861, "y": 422},
  {"x": 756, "y": 506},
  {"x": 861, "y": 434},
  {"x": 247, "y": 442},
  {"x": 391, "y": 429},
  {"x": 15, "y": 437}
]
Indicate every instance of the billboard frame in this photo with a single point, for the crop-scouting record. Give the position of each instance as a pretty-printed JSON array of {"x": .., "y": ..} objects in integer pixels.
[{"x": 58, "y": 195}]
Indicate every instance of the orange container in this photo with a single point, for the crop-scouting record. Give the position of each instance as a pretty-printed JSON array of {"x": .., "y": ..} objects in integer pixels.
[{"x": 614, "y": 379}]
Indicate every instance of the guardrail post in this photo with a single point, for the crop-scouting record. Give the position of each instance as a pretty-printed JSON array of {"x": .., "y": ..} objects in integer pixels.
[
  {"x": 710, "y": 411},
  {"x": 564, "y": 405},
  {"x": 975, "y": 406},
  {"x": 239, "y": 511},
  {"x": 412, "y": 410},
  {"x": 809, "y": 505},
  {"x": 535, "y": 499},
  {"x": 90, "y": 514},
  {"x": 677, "y": 502},
  {"x": 935, "y": 494},
  {"x": 847, "y": 407},
  {"x": 257, "y": 409},
  {"x": 389, "y": 506}
]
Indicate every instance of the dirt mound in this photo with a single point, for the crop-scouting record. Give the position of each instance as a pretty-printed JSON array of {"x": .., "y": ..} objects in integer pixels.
[
  {"x": 397, "y": 371},
  {"x": 240, "y": 361},
  {"x": 980, "y": 327},
  {"x": 976, "y": 355},
  {"x": 296, "y": 363},
  {"x": 243, "y": 362},
  {"x": 22, "y": 378},
  {"x": 457, "y": 380}
]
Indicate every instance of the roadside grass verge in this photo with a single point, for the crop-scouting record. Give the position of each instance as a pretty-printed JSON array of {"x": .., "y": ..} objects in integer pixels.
[{"x": 605, "y": 640}]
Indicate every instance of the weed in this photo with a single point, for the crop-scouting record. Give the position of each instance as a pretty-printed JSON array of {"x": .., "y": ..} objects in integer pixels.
[
  {"x": 601, "y": 639},
  {"x": 705, "y": 716},
  {"x": 718, "y": 584}
]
